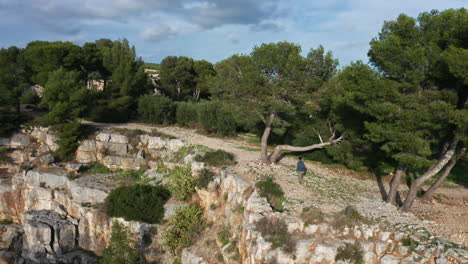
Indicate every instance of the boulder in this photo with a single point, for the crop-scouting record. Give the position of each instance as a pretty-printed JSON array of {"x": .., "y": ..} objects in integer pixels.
[
  {"x": 85, "y": 156},
  {"x": 20, "y": 140},
  {"x": 88, "y": 145},
  {"x": 51, "y": 141},
  {"x": 175, "y": 144},
  {"x": 389, "y": 259},
  {"x": 46, "y": 159},
  {"x": 156, "y": 143},
  {"x": 303, "y": 252},
  {"x": 324, "y": 253}
]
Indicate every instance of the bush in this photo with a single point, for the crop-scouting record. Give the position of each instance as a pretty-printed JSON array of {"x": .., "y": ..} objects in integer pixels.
[
  {"x": 350, "y": 253},
  {"x": 186, "y": 114},
  {"x": 30, "y": 98},
  {"x": 182, "y": 184},
  {"x": 272, "y": 192},
  {"x": 67, "y": 141},
  {"x": 138, "y": 202},
  {"x": 182, "y": 227},
  {"x": 95, "y": 167},
  {"x": 205, "y": 177},
  {"x": 217, "y": 158},
  {"x": 156, "y": 109},
  {"x": 275, "y": 231},
  {"x": 349, "y": 217},
  {"x": 312, "y": 215},
  {"x": 121, "y": 248},
  {"x": 216, "y": 118}
]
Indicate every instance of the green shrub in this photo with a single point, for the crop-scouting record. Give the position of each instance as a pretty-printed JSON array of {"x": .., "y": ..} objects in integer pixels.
[
  {"x": 30, "y": 98},
  {"x": 132, "y": 177},
  {"x": 68, "y": 138},
  {"x": 95, "y": 167},
  {"x": 350, "y": 253},
  {"x": 409, "y": 242},
  {"x": 137, "y": 202},
  {"x": 312, "y": 215},
  {"x": 216, "y": 118},
  {"x": 205, "y": 177},
  {"x": 272, "y": 192},
  {"x": 186, "y": 114},
  {"x": 182, "y": 227},
  {"x": 156, "y": 109},
  {"x": 121, "y": 248},
  {"x": 224, "y": 237},
  {"x": 217, "y": 158},
  {"x": 182, "y": 184},
  {"x": 275, "y": 231},
  {"x": 349, "y": 217}
]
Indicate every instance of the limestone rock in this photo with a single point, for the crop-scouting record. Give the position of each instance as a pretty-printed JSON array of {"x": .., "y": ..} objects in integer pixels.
[
  {"x": 190, "y": 258},
  {"x": 303, "y": 252},
  {"x": 175, "y": 144},
  {"x": 47, "y": 235},
  {"x": 51, "y": 141},
  {"x": 88, "y": 145},
  {"x": 389, "y": 259},
  {"x": 47, "y": 159},
  {"x": 324, "y": 252},
  {"x": 74, "y": 167},
  {"x": 20, "y": 140}
]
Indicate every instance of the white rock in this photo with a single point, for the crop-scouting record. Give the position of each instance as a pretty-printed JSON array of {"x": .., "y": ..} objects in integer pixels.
[
  {"x": 367, "y": 246},
  {"x": 87, "y": 145},
  {"x": 103, "y": 137},
  {"x": 47, "y": 159},
  {"x": 380, "y": 247},
  {"x": 384, "y": 236},
  {"x": 324, "y": 252},
  {"x": 190, "y": 258},
  {"x": 357, "y": 233},
  {"x": 303, "y": 252},
  {"x": 20, "y": 140},
  {"x": 311, "y": 229},
  {"x": 369, "y": 257},
  {"x": 197, "y": 166},
  {"x": 367, "y": 232},
  {"x": 51, "y": 141},
  {"x": 175, "y": 144},
  {"x": 296, "y": 226},
  {"x": 156, "y": 143},
  {"x": 117, "y": 138},
  {"x": 389, "y": 259}
]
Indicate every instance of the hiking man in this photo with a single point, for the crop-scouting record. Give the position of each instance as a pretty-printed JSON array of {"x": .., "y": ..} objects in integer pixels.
[{"x": 301, "y": 170}]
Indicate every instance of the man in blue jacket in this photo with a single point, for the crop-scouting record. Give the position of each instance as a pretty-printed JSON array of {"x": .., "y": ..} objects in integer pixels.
[{"x": 301, "y": 170}]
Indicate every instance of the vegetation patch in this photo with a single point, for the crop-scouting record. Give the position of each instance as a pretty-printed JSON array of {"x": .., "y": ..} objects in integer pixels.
[
  {"x": 122, "y": 248},
  {"x": 138, "y": 203},
  {"x": 312, "y": 215},
  {"x": 349, "y": 217},
  {"x": 272, "y": 192},
  {"x": 409, "y": 242},
  {"x": 217, "y": 158},
  {"x": 133, "y": 177},
  {"x": 205, "y": 177},
  {"x": 70, "y": 134},
  {"x": 223, "y": 236},
  {"x": 351, "y": 253},
  {"x": 275, "y": 231},
  {"x": 182, "y": 184},
  {"x": 95, "y": 167},
  {"x": 182, "y": 228}
]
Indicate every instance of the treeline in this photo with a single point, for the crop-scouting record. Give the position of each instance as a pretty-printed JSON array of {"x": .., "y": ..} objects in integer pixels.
[{"x": 405, "y": 112}]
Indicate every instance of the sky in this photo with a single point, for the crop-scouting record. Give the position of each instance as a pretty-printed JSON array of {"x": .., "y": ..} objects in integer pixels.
[{"x": 209, "y": 29}]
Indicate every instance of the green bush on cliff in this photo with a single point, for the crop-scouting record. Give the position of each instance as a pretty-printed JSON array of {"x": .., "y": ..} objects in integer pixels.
[
  {"x": 182, "y": 184},
  {"x": 138, "y": 203},
  {"x": 182, "y": 227},
  {"x": 121, "y": 248}
]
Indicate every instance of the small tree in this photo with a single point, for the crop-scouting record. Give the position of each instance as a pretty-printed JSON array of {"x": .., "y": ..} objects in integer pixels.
[{"x": 122, "y": 248}]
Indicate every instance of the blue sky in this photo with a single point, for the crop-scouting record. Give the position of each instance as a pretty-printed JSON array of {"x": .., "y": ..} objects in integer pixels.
[{"x": 208, "y": 29}]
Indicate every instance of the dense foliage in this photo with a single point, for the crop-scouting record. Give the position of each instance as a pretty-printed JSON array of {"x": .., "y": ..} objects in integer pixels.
[
  {"x": 183, "y": 183},
  {"x": 138, "y": 203}
]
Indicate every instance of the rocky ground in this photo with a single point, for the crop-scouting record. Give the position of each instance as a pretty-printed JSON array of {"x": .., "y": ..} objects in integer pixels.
[{"x": 331, "y": 190}]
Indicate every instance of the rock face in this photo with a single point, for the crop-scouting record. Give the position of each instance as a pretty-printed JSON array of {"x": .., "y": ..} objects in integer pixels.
[{"x": 48, "y": 236}]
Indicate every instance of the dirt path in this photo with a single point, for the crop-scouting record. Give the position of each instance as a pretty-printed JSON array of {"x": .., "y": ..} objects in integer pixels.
[{"x": 331, "y": 190}]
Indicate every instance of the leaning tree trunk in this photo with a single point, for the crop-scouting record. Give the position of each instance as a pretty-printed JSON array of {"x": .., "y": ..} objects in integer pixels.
[
  {"x": 264, "y": 140},
  {"x": 416, "y": 185},
  {"x": 430, "y": 192},
  {"x": 275, "y": 155},
  {"x": 394, "y": 184}
]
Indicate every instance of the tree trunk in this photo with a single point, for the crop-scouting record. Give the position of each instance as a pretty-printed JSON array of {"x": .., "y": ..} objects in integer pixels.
[
  {"x": 430, "y": 192},
  {"x": 394, "y": 184},
  {"x": 274, "y": 157},
  {"x": 264, "y": 140},
  {"x": 416, "y": 185}
]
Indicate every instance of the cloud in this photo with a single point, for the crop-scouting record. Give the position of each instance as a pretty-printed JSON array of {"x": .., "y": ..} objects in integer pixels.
[
  {"x": 233, "y": 38},
  {"x": 158, "y": 33}
]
